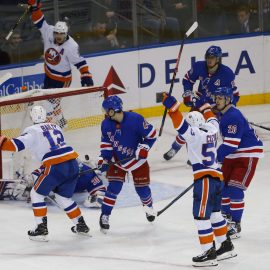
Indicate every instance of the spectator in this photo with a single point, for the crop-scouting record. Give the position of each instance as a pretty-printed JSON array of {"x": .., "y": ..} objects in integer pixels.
[
  {"x": 155, "y": 25},
  {"x": 181, "y": 10},
  {"x": 14, "y": 48},
  {"x": 102, "y": 38},
  {"x": 245, "y": 22}
]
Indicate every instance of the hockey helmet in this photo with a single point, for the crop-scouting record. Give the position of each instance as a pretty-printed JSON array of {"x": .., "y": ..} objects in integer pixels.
[
  {"x": 214, "y": 51},
  {"x": 112, "y": 103},
  {"x": 61, "y": 28},
  {"x": 195, "y": 119},
  {"x": 224, "y": 91},
  {"x": 38, "y": 114}
]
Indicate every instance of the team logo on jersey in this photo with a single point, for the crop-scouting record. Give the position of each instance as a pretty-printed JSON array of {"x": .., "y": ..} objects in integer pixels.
[
  {"x": 52, "y": 56},
  {"x": 232, "y": 129},
  {"x": 145, "y": 124},
  {"x": 217, "y": 83},
  {"x": 113, "y": 83}
]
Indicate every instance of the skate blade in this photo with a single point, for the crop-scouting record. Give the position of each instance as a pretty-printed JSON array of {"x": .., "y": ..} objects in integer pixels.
[
  {"x": 39, "y": 238},
  {"x": 226, "y": 256},
  {"x": 205, "y": 264},
  {"x": 235, "y": 236},
  {"x": 81, "y": 233}
]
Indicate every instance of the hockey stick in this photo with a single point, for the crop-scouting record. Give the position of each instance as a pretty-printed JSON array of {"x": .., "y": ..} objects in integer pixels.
[
  {"x": 187, "y": 34},
  {"x": 20, "y": 19},
  {"x": 256, "y": 125},
  {"x": 5, "y": 77},
  {"x": 175, "y": 199},
  {"x": 110, "y": 163}
]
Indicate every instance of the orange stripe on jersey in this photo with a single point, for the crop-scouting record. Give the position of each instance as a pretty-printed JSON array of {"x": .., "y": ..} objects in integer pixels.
[
  {"x": 8, "y": 145},
  {"x": 57, "y": 160},
  {"x": 206, "y": 239},
  {"x": 84, "y": 70},
  {"x": 75, "y": 213},
  {"x": 221, "y": 231},
  {"x": 208, "y": 114},
  {"x": 57, "y": 78},
  {"x": 177, "y": 118},
  {"x": 41, "y": 178},
  {"x": 42, "y": 212},
  {"x": 215, "y": 174},
  {"x": 205, "y": 192},
  {"x": 37, "y": 15}
]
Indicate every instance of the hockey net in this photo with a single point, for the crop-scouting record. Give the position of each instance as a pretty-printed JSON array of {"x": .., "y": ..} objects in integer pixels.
[{"x": 77, "y": 111}]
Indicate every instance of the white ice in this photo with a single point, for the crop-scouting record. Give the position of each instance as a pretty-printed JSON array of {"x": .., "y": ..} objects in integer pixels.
[{"x": 133, "y": 243}]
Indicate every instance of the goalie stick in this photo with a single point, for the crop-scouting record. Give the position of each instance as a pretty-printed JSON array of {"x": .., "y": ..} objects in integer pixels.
[
  {"x": 187, "y": 34},
  {"x": 260, "y": 126}
]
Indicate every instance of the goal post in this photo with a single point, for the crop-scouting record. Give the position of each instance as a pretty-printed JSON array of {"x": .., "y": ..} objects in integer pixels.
[{"x": 76, "y": 110}]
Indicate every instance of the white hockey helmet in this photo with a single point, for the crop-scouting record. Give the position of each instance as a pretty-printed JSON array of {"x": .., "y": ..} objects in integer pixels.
[
  {"x": 38, "y": 114},
  {"x": 61, "y": 27},
  {"x": 195, "y": 119}
]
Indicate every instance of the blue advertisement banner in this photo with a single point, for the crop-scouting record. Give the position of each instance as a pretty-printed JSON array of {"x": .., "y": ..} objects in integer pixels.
[{"x": 21, "y": 84}]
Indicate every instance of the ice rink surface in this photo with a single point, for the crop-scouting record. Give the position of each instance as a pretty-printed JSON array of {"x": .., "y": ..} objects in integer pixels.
[{"x": 133, "y": 243}]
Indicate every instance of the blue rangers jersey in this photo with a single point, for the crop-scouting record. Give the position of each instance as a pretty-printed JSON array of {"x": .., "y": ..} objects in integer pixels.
[
  {"x": 239, "y": 138},
  {"x": 224, "y": 76},
  {"x": 120, "y": 140}
]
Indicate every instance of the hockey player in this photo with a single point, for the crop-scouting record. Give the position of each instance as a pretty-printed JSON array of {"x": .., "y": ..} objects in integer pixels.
[
  {"x": 47, "y": 143},
  {"x": 127, "y": 138},
  {"x": 201, "y": 138},
  {"x": 239, "y": 154},
  {"x": 87, "y": 181},
  {"x": 60, "y": 52},
  {"x": 212, "y": 74}
]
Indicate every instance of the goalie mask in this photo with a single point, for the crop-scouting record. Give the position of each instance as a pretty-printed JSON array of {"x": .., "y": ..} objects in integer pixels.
[
  {"x": 38, "y": 114},
  {"x": 195, "y": 119}
]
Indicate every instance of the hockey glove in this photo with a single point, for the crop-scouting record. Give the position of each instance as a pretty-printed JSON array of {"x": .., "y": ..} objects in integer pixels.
[
  {"x": 142, "y": 151},
  {"x": 102, "y": 165},
  {"x": 187, "y": 98},
  {"x": 86, "y": 79},
  {"x": 35, "y": 4},
  {"x": 170, "y": 103},
  {"x": 199, "y": 102}
]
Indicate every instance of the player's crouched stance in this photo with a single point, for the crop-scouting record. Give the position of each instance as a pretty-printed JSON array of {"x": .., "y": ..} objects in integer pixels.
[
  {"x": 127, "y": 137},
  {"x": 46, "y": 141},
  {"x": 200, "y": 131}
]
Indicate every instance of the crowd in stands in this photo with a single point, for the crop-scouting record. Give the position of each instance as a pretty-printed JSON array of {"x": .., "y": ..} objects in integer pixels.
[{"x": 101, "y": 25}]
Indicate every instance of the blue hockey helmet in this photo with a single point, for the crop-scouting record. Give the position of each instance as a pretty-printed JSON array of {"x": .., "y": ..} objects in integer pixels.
[
  {"x": 213, "y": 51},
  {"x": 224, "y": 91},
  {"x": 112, "y": 103}
]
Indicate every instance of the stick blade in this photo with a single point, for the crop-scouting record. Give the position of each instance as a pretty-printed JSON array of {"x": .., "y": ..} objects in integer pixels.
[{"x": 192, "y": 28}]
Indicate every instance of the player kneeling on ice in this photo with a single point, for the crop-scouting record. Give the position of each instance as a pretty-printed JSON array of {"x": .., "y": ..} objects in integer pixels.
[
  {"x": 61, "y": 169},
  {"x": 127, "y": 137},
  {"x": 200, "y": 131}
]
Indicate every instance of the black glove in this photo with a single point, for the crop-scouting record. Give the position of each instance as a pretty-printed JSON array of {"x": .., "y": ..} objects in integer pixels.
[{"x": 86, "y": 79}]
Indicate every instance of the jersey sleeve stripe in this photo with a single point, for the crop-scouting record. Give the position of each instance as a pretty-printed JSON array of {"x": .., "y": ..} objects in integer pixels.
[{"x": 9, "y": 145}]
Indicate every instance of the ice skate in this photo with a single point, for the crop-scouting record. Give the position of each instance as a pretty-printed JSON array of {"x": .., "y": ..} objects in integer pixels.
[
  {"x": 40, "y": 233},
  {"x": 170, "y": 154},
  {"x": 81, "y": 227},
  {"x": 208, "y": 258},
  {"x": 226, "y": 250},
  {"x": 234, "y": 229},
  {"x": 150, "y": 213},
  {"x": 93, "y": 201},
  {"x": 104, "y": 223}
]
